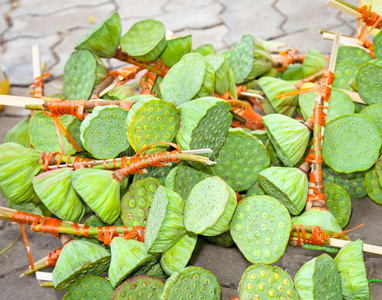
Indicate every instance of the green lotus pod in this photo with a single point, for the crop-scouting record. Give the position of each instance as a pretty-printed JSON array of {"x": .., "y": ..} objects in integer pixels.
[
  {"x": 288, "y": 136},
  {"x": 287, "y": 185},
  {"x": 139, "y": 287},
  {"x": 79, "y": 259},
  {"x": 152, "y": 121},
  {"x": 351, "y": 143},
  {"x": 19, "y": 134},
  {"x": 352, "y": 271},
  {"x": 260, "y": 134},
  {"x": 209, "y": 208},
  {"x": 240, "y": 159},
  {"x": 275, "y": 160},
  {"x": 34, "y": 206},
  {"x": 122, "y": 92},
  {"x": 175, "y": 49},
  {"x": 183, "y": 178},
  {"x": 260, "y": 228},
  {"x": 156, "y": 90},
  {"x": 145, "y": 40},
  {"x": 156, "y": 271},
  {"x": 313, "y": 63},
  {"x": 373, "y": 187},
  {"x": 292, "y": 72},
  {"x": 155, "y": 172},
  {"x": 83, "y": 71},
  {"x": 231, "y": 80},
  {"x": 205, "y": 49},
  {"x": 18, "y": 166},
  {"x": 205, "y": 123},
  {"x": 103, "y": 132},
  {"x": 223, "y": 240},
  {"x": 137, "y": 98},
  {"x": 192, "y": 282},
  {"x": 94, "y": 287},
  {"x": 128, "y": 259},
  {"x": 368, "y": 88},
  {"x": 165, "y": 221},
  {"x": 340, "y": 104},
  {"x": 377, "y": 45},
  {"x": 103, "y": 39},
  {"x": 318, "y": 279},
  {"x": 100, "y": 191},
  {"x": 266, "y": 282},
  {"x": 255, "y": 190},
  {"x": 353, "y": 183},
  {"x": 373, "y": 112},
  {"x": 55, "y": 190},
  {"x": 136, "y": 203},
  {"x": 43, "y": 134},
  {"x": 273, "y": 87},
  {"x": 220, "y": 66},
  {"x": 249, "y": 59},
  {"x": 177, "y": 257},
  {"x": 344, "y": 75},
  {"x": 353, "y": 55},
  {"x": 192, "y": 77},
  {"x": 338, "y": 202}
]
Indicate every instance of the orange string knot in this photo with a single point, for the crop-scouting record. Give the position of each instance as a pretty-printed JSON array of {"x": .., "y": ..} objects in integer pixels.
[
  {"x": 38, "y": 82},
  {"x": 52, "y": 257},
  {"x": 289, "y": 59},
  {"x": 318, "y": 236}
]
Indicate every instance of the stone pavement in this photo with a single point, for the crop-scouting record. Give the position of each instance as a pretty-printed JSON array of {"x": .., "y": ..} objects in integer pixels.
[{"x": 57, "y": 25}]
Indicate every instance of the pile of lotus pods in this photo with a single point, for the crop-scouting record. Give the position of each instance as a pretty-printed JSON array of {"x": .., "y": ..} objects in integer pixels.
[{"x": 251, "y": 190}]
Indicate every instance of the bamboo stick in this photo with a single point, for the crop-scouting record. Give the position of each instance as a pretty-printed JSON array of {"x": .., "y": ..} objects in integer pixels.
[
  {"x": 344, "y": 7},
  {"x": 337, "y": 243}
]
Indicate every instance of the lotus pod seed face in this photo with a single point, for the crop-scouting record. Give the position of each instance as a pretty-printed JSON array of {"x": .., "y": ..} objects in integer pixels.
[
  {"x": 192, "y": 282},
  {"x": 344, "y": 75},
  {"x": 136, "y": 203},
  {"x": 338, "y": 202},
  {"x": 377, "y": 45},
  {"x": 79, "y": 259},
  {"x": 266, "y": 282},
  {"x": 369, "y": 87},
  {"x": 103, "y": 132},
  {"x": 94, "y": 286},
  {"x": 373, "y": 187},
  {"x": 255, "y": 190},
  {"x": 43, "y": 134},
  {"x": 209, "y": 207},
  {"x": 260, "y": 228},
  {"x": 351, "y": 143},
  {"x": 55, "y": 190},
  {"x": 139, "y": 287},
  {"x": 240, "y": 159},
  {"x": 374, "y": 112},
  {"x": 145, "y": 40},
  {"x": 353, "y": 55}
]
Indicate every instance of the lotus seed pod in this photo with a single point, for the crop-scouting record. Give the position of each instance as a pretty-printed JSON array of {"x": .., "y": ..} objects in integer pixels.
[
  {"x": 150, "y": 122},
  {"x": 103, "y": 132},
  {"x": 205, "y": 49},
  {"x": 83, "y": 71},
  {"x": 351, "y": 143},
  {"x": 273, "y": 87},
  {"x": 122, "y": 92},
  {"x": 177, "y": 257},
  {"x": 18, "y": 166},
  {"x": 266, "y": 282},
  {"x": 240, "y": 159},
  {"x": 353, "y": 55},
  {"x": 373, "y": 187},
  {"x": 128, "y": 258},
  {"x": 156, "y": 271},
  {"x": 249, "y": 59},
  {"x": 192, "y": 282},
  {"x": 352, "y": 271},
  {"x": 338, "y": 202},
  {"x": 288, "y": 136},
  {"x": 103, "y": 39},
  {"x": 92, "y": 221},
  {"x": 157, "y": 87},
  {"x": 43, "y": 134},
  {"x": 275, "y": 160},
  {"x": 231, "y": 80},
  {"x": 313, "y": 63},
  {"x": 136, "y": 203},
  {"x": 368, "y": 88},
  {"x": 223, "y": 240},
  {"x": 188, "y": 78},
  {"x": 373, "y": 112},
  {"x": 377, "y": 45},
  {"x": 139, "y": 287},
  {"x": 318, "y": 279},
  {"x": 293, "y": 72},
  {"x": 340, "y": 104},
  {"x": 55, "y": 190},
  {"x": 155, "y": 172},
  {"x": 260, "y": 134},
  {"x": 287, "y": 185},
  {"x": 145, "y": 40},
  {"x": 183, "y": 178},
  {"x": 100, "y": 191},
  {"x": 165, "y": 221},
  {"x": 344, "y": 75},
  {"x": 175, "y": 49},
  {"x": 79, "y": 259},
  {"x": 220, "y": 66},
  {"x": 19, "y": 134},
  {"x": 209, "y": 208},
  {"x": 353, "y": 183},
  {"x": 260, "y": 228},
  {"x": 35, "y": 206},
  {"x": 94, "y": 287},
  {"x": 205, "y": 123},
  {"x": 255, "y": 190}
]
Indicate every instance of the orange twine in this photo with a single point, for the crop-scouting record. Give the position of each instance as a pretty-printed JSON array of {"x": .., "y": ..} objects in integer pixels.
[
  {"x": 126, "y": 73},
  {"x": 38, "y": 82},
  {"x": 290, "y": 58},
  {"x": 244, "y": 109},
  {"x": 318, "y": 236},
  {"x": 52, "y": 257},
  {"x": 147, "y": 82}
]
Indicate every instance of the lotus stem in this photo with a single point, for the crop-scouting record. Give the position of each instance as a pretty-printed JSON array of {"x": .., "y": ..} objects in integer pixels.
[
  {"x": 47, "y": 284},
  {"x": 10, "y": 245}
]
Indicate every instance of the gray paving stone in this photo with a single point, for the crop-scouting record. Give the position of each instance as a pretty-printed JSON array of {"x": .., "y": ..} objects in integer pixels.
[
  {"x": 5, "y": 7},
  {"x": 228, "y": 293},
  {"x": 18, "y": 57},
  {"x": 62, "y": 20},
  {"x": 265, "y": 20},
  {"x": 141, "y": 8},
  {"x": 182, "y": 4}
]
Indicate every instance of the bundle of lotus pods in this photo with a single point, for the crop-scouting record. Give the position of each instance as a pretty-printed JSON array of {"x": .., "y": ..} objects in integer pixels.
[{"x": 190, "y": 138}]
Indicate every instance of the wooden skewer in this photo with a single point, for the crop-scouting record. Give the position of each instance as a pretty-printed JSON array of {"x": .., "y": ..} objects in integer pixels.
[
  {"x": 344, "y": 8},
  {"x": 354, "y": 96},
  {"x": 36, "y": 60},
  {"x": 344, "y": 40},
  {"x": 337, "y": 243},
  {"x": 257, "y": 96}
]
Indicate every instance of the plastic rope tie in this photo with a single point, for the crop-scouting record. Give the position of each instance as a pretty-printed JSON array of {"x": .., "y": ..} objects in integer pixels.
[
  {"x": 59, "y": 107},
  {"x": 244, "y": 109},
  {"x": 52, "y": 257},
  {"x": 147, "y": 82},
  {"x": 38, "y": 82},
  {"x": 126, "y": 73},
  {"x": 312, "y": 78},
  {"x": 318, "y": 236}
]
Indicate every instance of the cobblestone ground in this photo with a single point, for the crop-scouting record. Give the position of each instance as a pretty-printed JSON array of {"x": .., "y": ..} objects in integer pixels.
[{"x": 57, "y": 25}]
